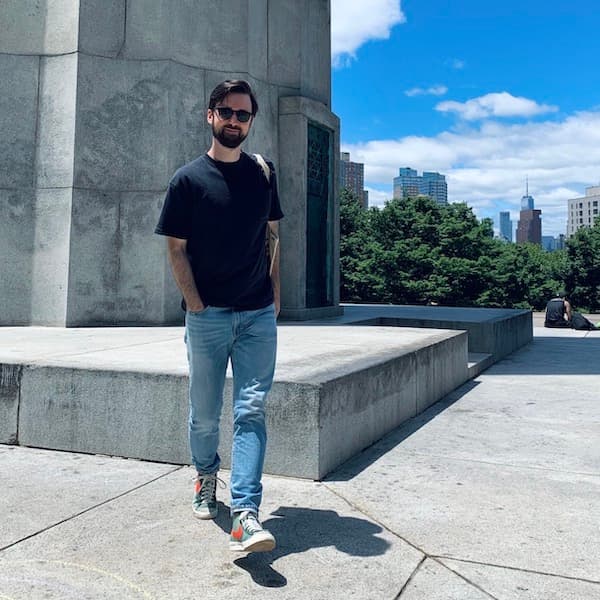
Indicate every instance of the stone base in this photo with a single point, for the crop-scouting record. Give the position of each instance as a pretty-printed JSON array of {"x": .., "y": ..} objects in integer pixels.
[
  {"x": 308, "y": 314},
  {"x": 123, "y": 391}
]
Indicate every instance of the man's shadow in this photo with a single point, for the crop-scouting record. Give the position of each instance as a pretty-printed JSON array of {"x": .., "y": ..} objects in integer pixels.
[{"x": 300, "y": 529}]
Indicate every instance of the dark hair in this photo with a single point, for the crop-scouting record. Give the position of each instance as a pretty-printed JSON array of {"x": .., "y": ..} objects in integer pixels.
[{"x": 232, "y": 86}]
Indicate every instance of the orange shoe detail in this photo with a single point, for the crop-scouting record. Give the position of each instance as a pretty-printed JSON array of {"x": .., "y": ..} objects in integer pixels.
[{"x": 238, "y": 533}]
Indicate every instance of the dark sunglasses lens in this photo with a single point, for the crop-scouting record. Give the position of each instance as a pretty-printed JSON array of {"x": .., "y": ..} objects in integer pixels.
[
  {"x": 225, "y": 112},
  {"x": 243, "y": 116}
]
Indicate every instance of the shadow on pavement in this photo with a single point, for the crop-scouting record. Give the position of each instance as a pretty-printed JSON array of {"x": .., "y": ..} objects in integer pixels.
[
  {"x": 368, "y": 456},
  {"x": 300, "y": 529},
  {"x": 554, "y": 355}
]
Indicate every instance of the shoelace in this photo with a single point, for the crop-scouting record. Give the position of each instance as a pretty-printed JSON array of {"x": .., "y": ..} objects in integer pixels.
[
  {"x": 209, "y": 487},
  {"x": 250, "y": 522}
]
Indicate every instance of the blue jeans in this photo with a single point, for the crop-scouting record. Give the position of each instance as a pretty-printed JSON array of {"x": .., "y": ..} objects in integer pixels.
[{"x": 249, "y": 338}]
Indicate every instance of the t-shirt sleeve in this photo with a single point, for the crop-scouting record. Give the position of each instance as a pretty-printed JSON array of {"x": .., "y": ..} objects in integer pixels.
[
  {"x": 276, "y": 213},
  {"x": 176, "y": 215}
]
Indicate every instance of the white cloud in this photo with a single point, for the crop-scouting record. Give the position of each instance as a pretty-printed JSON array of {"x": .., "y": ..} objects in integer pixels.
[
  {"x": 434, "y": 90},
  {"x": 354, "y": 22},
  {"x": 456, "y": 63},
  {"x": 500, "y": 104},
  {"x": 377, "y": 197},
  {"x": 486, "y": 165}
]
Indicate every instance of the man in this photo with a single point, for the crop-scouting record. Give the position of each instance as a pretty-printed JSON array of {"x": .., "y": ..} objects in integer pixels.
[
  {"x": 215, "y": 216},
  {"x": 558, "y": 312}
]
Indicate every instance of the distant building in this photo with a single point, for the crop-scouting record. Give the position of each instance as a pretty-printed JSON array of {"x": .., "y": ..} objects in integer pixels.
[
  {"x": 406, "y": 185},
  {"x": 434, "y": 185},
  {"x": 552, "y": 243},
  {"x": 548, "y": 243},
  {"x": 582, "y": 212},
  {"x": 409, "y": 184},
  {"x": 506, "y": 226},
  {"x": 529, "y": 228},
  {"x": 527, "y": 202},
  {"x": 352, "y": 178}
]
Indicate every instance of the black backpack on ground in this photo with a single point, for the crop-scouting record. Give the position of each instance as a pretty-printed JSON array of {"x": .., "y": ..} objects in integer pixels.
[{"x": 578, "y": 321}]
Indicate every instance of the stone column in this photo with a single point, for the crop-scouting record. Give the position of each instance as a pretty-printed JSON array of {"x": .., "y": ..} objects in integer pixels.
[{"x": 101, "y": 102}]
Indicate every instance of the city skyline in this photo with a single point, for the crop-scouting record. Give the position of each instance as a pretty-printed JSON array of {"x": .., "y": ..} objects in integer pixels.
[{"x": 487, "y": 94}]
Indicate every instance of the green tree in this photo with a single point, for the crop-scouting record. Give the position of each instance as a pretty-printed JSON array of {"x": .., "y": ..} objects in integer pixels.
[
  {"x": 416, "y": 251},
  {"x": 523, "y": 276},
  {"x": 358, "y": 252},
  {"x": 583, "y": 268}
]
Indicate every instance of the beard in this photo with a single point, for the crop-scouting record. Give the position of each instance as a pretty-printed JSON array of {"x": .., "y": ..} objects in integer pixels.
[{"x": 229, "y": 139}]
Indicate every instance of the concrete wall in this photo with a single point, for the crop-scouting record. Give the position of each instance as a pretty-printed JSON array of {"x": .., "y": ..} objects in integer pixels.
[
  {"x": 325, "y": 405},
  {"x": 100, "y": 103}
]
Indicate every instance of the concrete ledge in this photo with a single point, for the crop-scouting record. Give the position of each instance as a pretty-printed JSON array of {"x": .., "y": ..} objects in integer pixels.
[
  {"x": 123, "y": 391},
  {"x": 494, "y": 331}
]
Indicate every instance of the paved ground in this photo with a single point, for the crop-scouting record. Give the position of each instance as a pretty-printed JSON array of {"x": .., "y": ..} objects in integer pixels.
[{"x": 492, "y": 493}]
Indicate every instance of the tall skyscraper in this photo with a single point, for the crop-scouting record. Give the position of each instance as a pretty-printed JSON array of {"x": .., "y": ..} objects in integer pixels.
[
  {"x": 409, "y": 184},
  {"x": 506, "y": 226},
  {"x": 582, "y": 212},
  {"x": 352, "y": 178},
  {"x": 529, "y": 228}
]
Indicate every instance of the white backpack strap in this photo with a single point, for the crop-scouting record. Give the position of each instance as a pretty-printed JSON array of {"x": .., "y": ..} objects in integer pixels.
[{"x": 264, "y": 166}]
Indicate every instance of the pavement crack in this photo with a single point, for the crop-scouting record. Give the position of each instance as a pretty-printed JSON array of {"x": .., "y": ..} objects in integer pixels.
[
  {"x": 426, "y": 555},
  {"x": 375, "y": 520},
  {"x": 411, "y": 577},
  {"x": 90, "y": 508},
  {"x": 511, "y": 568},
  {"x": 464, "y": 578}
]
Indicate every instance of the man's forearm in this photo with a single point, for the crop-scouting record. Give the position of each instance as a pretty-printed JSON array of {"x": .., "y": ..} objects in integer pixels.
[
  {"x": 276, "y": 284},
  {"x": 273, "y": 235},
  {"x": 182, "y": 272}
]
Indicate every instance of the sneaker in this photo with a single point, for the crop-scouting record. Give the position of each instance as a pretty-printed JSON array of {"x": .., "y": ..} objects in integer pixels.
[
  {"x": 204, "y": 504},
  {"x": 247, "y": 534}
]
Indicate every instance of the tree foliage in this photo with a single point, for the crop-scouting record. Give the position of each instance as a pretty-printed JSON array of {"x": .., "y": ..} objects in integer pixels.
[
  {"x": 416, "y": 251},
  {"x": 583, "y": 267}
]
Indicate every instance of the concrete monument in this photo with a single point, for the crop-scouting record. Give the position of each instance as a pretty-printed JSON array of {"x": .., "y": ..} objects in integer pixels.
[{"x": 101, "y": 101}]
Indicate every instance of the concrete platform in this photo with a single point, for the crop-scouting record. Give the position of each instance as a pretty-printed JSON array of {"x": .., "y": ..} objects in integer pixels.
[
  {"x": 123, "y": 392},
  {"x": 338, "y": 388},
  {"x": 493, "y": 331},
  {"x": 492, "y": 493}
]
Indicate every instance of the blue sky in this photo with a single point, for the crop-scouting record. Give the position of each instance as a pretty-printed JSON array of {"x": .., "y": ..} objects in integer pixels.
[{"x": 487, "y": 93}]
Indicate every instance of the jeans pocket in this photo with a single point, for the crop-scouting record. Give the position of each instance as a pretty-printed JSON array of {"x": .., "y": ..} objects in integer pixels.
[{"x": 196, "y": 313}]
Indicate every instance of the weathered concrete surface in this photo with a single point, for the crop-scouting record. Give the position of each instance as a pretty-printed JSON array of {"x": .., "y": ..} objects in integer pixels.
[
  {"x": 10, "y": 384},
  {"x": 100, "y": 104},
  {"x": 101, "y": 537},
  {"x": 504, "y": 472},
  {"x": 124, "y": 392},
  {"x": 18, "y": 116},
  {"x": 41, "y": 489},
  {"x": 39, "y": 26},
  {"x": 394, "y": 523}
]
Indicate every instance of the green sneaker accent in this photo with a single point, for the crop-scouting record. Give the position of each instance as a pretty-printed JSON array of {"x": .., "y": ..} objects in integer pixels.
[
  {"x": 248, "y": 535},
  {"x": 204, "y": 504}
]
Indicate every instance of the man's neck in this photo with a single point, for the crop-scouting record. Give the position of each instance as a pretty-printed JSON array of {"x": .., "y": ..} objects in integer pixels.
[{"x": 223, "y": 154}]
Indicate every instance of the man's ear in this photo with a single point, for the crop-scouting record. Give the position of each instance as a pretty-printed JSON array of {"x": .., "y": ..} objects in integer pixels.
[{"x": 210, "y": 115}]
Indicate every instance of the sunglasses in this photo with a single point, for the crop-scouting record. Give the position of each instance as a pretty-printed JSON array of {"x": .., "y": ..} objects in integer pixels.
[{"x": 224, "y": 112}]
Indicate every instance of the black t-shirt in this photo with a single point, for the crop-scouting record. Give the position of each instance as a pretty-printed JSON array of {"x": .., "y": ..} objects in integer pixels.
[
  {"x": 555, "y": 311},
  {"x": 222, "y": 210}
]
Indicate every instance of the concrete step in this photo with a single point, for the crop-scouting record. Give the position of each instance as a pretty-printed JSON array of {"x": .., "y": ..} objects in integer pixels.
[
  {"x": 478, "y": 363},
  {"x": 123, "y": 391}
]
